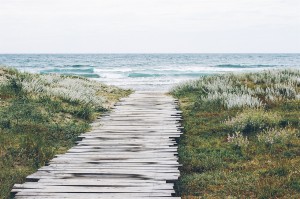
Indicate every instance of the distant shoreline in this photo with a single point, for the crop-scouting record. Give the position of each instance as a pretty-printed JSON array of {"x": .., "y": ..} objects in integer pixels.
[{"x": 148, "y": 71}]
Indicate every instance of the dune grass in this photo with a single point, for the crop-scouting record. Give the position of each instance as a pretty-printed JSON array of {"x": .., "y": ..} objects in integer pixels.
[
  {"x": 241, "y": 136},
  {"x": 42, "y": 115}
]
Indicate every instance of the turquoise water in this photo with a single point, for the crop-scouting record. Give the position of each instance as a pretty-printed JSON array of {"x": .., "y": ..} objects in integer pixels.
[{"x": 147, "y": 71}]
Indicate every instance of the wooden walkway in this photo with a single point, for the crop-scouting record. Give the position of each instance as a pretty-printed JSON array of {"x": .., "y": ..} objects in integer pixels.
[{"x": 129, "y": 153}]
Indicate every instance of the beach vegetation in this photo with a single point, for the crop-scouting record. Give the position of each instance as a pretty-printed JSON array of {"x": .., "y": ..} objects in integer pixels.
[
  {"x": 41, "y": 116},
  {"x": 254, "y": 120},
  {"x": 241, "y": 135}
]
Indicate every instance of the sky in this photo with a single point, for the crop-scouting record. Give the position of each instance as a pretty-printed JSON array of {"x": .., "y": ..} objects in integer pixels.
[{"x": 149, "y": 26}]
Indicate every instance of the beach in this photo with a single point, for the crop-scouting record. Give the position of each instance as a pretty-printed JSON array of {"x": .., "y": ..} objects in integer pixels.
[
  {"x": 147, "y": 71},
  {"x": 131, "y": 99}
]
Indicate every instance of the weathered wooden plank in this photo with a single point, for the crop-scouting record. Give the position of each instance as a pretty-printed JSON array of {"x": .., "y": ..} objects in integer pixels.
[
  {"x": 91, "y": 195},
  {"x": 140, "y": 115},
  {"x": 110, "y": 176},
  {"x": 128, "y": 146},
  {"x": 132, "y": 154},
  {"x": 89, "y": 189},
  {"x": 125, "y": 147},
  {"x": 126, "y": 142},
  {"x": 95, "y": 196},
  {"x": 123, "y": 169},
  {"x": 133, "y": 131},
  {"x": 127, "y": 136},
  {"x": 78, "y": 183},
  {"x": 104, "y": 181}
]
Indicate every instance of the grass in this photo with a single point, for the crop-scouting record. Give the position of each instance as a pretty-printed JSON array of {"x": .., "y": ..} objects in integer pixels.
[
  {"x": 42, "y": 115},
  {"x": 241, "y": 136}
]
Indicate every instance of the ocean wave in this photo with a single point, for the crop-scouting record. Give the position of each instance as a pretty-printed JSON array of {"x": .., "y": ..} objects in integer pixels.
[
  {"x": 113, "y": 75},
  {"x": 78, "y": 65},
  {"x": 136, "y": 75},
  {"x": 153, "y": 75},
  {"x": 243, "y": 66},
  {"x": 191, "y": 74},
  {"x": 100, "y": 70},
  {"x": 87, "y": 75},
  {"x": 69, "y": 70}
]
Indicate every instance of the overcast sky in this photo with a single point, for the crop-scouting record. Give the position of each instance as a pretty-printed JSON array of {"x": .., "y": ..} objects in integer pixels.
[{"x": 149, "y": 26}]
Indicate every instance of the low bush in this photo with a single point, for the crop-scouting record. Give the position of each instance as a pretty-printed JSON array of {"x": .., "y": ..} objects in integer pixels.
[
  {"x": 238, "y": 139},
  {"x": 254, "y": 120},
  {"x": 273, "y": 136}
]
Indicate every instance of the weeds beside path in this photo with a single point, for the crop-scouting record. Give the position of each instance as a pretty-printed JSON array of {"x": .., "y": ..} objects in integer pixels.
[
  {"x": 241, "y": 136},
  {"x": 42, "y": 115}
]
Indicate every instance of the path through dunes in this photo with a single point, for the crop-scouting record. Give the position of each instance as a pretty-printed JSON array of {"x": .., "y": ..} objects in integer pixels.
[{"x": 129, "y": 153}]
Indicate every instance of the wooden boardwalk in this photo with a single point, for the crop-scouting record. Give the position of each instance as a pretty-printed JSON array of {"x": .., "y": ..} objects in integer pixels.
[{"x": 129, "y": 153}]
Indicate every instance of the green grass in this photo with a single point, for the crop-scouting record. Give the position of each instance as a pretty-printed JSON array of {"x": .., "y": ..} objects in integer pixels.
[
  {"x": 241, "y": 136},
  {"x": 39, "y": 120}
]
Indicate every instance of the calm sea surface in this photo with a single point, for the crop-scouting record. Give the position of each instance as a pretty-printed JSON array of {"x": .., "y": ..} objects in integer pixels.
[{"x": 147, "y": 71}]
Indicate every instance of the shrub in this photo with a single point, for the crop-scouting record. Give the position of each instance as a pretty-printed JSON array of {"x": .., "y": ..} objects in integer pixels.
[
  {"x": 272, "y": 136},
  {"x": 252, "y": 120},
  {"x": 230, "y": 100},
  {"x": 238, "y": 139},
  {"x": 69, "y": 89},
  {"x": 252, "y": 90}
]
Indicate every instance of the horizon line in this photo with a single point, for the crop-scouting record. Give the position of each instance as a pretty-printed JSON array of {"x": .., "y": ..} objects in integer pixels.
[{"x": 141, "y": 53}]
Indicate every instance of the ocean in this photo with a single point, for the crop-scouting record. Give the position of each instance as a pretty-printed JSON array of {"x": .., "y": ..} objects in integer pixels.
[{"x": 147, "y": 71}]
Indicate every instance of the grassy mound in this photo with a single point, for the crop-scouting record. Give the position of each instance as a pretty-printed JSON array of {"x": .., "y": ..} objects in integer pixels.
[
  {"x": 241, "y": 136},
  {"x": 42, "y": 115}
]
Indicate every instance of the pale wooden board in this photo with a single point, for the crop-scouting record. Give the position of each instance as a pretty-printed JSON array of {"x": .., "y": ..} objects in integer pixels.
[
  {"x": 93, "y": 195},
  {"x": 133, "y": 131},
  {"x": 130, "y": 152}
]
